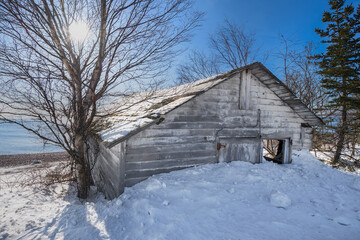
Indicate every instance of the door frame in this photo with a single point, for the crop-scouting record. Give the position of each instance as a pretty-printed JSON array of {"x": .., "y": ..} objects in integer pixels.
[{"x": 286, "y": 159}]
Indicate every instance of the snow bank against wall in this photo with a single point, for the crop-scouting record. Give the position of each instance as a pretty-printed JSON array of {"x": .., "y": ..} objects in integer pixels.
[{"x": 237, "y": 200}]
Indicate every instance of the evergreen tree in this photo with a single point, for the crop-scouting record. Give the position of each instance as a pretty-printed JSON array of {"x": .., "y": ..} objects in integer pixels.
[{"x": 339, "y": 65}]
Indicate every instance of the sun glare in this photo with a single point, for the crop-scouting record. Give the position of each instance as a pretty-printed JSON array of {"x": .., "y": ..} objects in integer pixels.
[{"x": 78, "y": 31}]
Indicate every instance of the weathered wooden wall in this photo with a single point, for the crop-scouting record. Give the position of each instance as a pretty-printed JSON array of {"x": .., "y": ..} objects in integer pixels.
[
  {"x": 190, "y": 133},
  {"x": 108, "y": 167},
  {"x": 278, "y": 120}
]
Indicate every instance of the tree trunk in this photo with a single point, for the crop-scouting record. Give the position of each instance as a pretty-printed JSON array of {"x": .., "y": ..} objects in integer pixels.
[
  {"x": 353, "y": 148},
  {"x": 341, "y": 134},
  {"x": 82, "y": 168}
]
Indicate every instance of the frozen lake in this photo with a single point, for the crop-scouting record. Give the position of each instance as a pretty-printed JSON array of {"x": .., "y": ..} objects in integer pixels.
[{"x": 16, "y": 140}]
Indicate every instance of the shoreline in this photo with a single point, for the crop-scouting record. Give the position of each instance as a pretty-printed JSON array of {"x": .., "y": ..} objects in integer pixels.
[{"x": 12, "y": 160}]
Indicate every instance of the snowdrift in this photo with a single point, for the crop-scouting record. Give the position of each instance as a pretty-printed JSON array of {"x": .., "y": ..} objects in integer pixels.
[{"x": 238, "y": 200}]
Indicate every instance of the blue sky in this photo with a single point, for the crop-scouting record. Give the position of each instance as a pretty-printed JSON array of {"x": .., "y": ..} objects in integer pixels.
[{"x": 266, "y": 18}]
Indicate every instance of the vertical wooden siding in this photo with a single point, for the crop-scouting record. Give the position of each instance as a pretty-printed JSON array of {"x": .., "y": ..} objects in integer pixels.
[{"x": 108, "y": 170}]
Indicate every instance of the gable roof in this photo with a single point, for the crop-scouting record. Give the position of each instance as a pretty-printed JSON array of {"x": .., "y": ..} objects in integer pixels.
[
  {"x": 284, "y": 93},
  {"x": 144, "y": 109}
]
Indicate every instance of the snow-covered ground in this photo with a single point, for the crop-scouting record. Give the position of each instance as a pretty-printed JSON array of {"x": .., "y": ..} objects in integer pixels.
[{"x": 303, "y": 200}]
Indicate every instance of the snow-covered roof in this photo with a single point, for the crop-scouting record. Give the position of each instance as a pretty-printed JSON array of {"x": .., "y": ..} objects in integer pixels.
[{"x": 141, "y": 110}]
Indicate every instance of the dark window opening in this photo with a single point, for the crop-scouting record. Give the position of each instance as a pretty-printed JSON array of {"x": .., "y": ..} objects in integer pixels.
[{"x": 273, "y": 150}]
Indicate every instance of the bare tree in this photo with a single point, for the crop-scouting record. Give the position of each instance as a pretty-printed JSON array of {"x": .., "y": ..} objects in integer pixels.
[
  {"x": 233, "y": 46},
  {"x": 300, "y": 73},
  {"x": 198, "y": 66},
  {"x": 55, "y": 76},
  {"x": 287, "y": 55},
  {"x": 303, "y": 79},
  {"x": 301, "y": 76}
]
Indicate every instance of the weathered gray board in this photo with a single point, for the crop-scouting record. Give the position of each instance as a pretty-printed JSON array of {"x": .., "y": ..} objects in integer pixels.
[
  {"x": 108, "y": 167},
  {"x": 240, "y": 149},
  {"x": 190, "y": 133}
]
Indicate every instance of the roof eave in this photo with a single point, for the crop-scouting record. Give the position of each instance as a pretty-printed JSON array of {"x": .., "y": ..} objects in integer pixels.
[{"x": 284, "y": 93}]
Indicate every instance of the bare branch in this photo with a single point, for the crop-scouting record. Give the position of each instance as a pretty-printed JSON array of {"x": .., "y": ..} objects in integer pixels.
[{"x": 67, "y": 85}]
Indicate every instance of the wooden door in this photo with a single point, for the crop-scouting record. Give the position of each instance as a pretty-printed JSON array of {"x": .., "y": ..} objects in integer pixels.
[{"x": 239, "y": 149}]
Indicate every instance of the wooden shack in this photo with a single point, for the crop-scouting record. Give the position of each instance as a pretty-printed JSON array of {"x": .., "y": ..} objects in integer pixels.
[{"x": 220, "y": 119}]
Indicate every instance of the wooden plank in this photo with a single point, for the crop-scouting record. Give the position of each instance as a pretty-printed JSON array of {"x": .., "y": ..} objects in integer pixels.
[
  {"x": 108, "y": 173},
  {"x": 148, "y": 165},
  {"x": 283, "y": 93},
  {"x": 263, "y": 95},
  {"x": 222, "y": 99},
  {"x": 210, "y": 107},
  {"x": 243, "y": 149},
  {"x": 148, "y": 173},
  {"x": 239, "y": 133},
  {"x": 189, "y": 125},
  {"x": 231, "y": 84},
  {"x": 306, "y": 113},
  {"x": 172, "y": 132},
  {"x": 275, "y": 133},
  {"x": 152, "y": 156},
  {"x": 281, "y": 113},
  {"x": 268, "y": 81},
  {"x": 289, "y": 97},
  {"x": 280, "y": 124},
  {"x": 215, "y": 104},
  {"x": 266, "y": 122},
  {"x": 165, "y": 140},
  {"x": 269, "y": 108},
  {"x": 196, "y": 118},
  {"x": 245, "y": 88},
  {"x": 259, "y": 74},
  {"x": 304, "y": 110},
  {"x": 239, "y": 119},
  {"x": 105, "y": 185},
  {"x": 251, "y": 123},
  {"x": 230, "y": 91},
  {"x": 109, "y": 158},
  {"x": 213, "y": 111},
  {"x": 294, "y": 102},
  {"x": 274, "y": 86},
  {"x": 171, "y": 148},
  {"x": 107, "y": 167},
  {"x": 129, "y": 182},
  {"x": 272, "y": 102},
  {"x": 192, "y": 110}
]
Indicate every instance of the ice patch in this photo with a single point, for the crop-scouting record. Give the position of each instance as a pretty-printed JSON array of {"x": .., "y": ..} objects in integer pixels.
[{"x": 279, "y": 199}]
